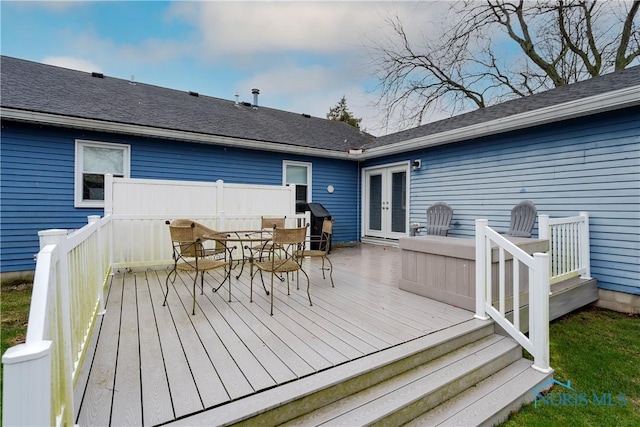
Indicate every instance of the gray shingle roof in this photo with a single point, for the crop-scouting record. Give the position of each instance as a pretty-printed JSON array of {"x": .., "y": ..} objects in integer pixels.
[
  {"x": 598, "y": 85},
  {"x": 33, "y": 86}
]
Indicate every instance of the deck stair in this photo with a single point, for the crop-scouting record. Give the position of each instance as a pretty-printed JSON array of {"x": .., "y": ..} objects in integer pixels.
[{"x": 464, "y": 375}]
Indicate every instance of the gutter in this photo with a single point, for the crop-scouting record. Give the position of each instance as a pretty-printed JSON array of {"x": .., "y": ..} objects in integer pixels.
[
  {"x": 147, "y": 131},
  {"x": 600, "y": 103}
]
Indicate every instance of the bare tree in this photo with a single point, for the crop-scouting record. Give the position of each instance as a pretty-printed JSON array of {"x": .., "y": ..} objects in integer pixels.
[{"x": 470, "y": 65}]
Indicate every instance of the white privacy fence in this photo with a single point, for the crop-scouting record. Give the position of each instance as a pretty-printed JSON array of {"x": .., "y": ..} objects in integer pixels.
[
  {"x": 139, "y": 197},
  {"x": 143, "y": 241},
  {"x": 537, "y": 266},
  {"x": 70, "y": 277},
  {"x": 140, "y": 208},
  {"x": 569, "y": 245}
]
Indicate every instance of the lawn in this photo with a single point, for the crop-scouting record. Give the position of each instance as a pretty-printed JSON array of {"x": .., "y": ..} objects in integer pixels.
[
  {"x": 598, "y": 351},
  {"x": 14, "y": 312}
]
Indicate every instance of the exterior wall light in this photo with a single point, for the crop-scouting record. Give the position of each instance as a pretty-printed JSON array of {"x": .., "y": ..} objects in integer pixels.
[{"x": 416, "y": 164}]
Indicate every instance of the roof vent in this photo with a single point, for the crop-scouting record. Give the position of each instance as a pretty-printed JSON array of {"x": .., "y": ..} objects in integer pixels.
[
  {"x": 192, "y": 93},
  {"x": 132, "y": 82},
  {"x": 237, "y": 103},
  {"x": 308, "y": 116},
  {"x": 98, "y": 75},
  {"x": 255, "y": 93},
  {"x": 246, "y": 104}
]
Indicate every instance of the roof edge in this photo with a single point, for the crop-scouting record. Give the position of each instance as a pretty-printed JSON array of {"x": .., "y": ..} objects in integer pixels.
[
  {"x": 607, "y": 101},
  {"x": 139, "y": 130},
  {"x": 600, "y": 103}
]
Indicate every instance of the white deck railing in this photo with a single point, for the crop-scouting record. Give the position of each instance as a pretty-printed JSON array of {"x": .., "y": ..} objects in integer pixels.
[
  {"x": 69, "y": 281},
  {"x": 569, "y": 245},
  {"x": 71, "y": 274},
  {"x": 72, "y": 271},
  {"x": 537, "y": 343}
]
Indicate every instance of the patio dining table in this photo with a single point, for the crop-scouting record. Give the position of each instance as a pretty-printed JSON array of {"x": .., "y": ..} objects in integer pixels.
[{"x": 251, "y": 243}]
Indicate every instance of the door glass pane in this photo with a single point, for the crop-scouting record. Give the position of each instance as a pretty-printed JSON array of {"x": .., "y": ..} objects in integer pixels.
[
  {"x": 398, "y": 205},
  {"x": 375, "y": 202}
]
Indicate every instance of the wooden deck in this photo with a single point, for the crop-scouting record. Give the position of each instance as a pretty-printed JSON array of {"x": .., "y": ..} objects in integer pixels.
[{"x": 154, "y": 364}]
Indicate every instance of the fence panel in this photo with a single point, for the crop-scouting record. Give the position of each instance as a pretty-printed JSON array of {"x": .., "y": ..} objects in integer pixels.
[
  {"x": 147, "y": 196},
  {"x": 143, "y": 241}
]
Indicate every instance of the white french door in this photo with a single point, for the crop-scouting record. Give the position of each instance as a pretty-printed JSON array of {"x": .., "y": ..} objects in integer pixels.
[{"x": 385, "y": 203}]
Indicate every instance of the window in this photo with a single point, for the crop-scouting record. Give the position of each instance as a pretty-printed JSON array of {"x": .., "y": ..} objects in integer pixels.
[
  {"x": 93, "y": 161},
  {"x": 298, "y": 173}
]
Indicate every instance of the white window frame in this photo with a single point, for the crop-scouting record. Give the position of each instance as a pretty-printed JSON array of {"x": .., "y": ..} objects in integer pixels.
[
  {"x": 307, "y": 165},
  {"x": 79, "y": 159}
]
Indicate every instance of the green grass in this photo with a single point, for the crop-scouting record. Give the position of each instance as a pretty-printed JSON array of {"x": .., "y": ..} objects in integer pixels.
[
  {"x": 599, "y": 352},
  {"x": 14, "y": 308},
  {"x": 15, "y": 300}
]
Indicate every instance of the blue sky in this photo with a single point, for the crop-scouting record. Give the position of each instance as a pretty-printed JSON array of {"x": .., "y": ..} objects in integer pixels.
[{"x": 303, "y": 55}]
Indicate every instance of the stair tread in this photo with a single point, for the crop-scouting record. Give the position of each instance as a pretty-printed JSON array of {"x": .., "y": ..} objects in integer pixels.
[
  {"x": 501, "y": 392},
  {"x": 375, "y": 402},
  {"x": 287, "y": 394}
]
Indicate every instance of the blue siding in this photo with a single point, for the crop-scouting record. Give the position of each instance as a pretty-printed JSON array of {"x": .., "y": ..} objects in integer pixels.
[
  {"x": 37, "y": 179},
  {"x": 590, "y": 164},
  {"x": 343, "y": 204}
]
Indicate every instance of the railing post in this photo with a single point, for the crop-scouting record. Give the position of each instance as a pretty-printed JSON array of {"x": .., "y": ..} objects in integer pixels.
[
  {"x": 59, "y": 238},
  {"x": 543, "y": 227},
  {"x": 53, "y": 236},
  {"x": 481, "y": 273},
  {"x": 27, "y": 372},
  {"x": 585, "y": 253},
  {"x": 544, "y": 233},
  {"x": 292, "y": 188},
  {"x": 108, "y": 194},
  {"x": 539, "y": 306},
  {"x": 220, "y": 207},
  {"x": 93, "y": 219}
]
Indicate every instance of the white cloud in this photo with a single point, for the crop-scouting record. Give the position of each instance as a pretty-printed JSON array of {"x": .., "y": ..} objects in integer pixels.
[
  {"x": 311, "y": 90},
  {"x": 249, "y": 27},
  {"x": 72, "y": 63},
  {"x": 151, "y": 51}
]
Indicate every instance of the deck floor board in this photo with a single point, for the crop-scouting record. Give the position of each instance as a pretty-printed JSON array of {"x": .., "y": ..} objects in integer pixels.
[
  {"x": 201, "y": 365},
  {"x": 127, "y": 380},
  {"x": 342, "y": 335},
  {"x": 97, "y": 399},
  {"x": 172, "y": 364},
  {"x": 156, "y": 400},
  {"x": 182, "y": 389}
]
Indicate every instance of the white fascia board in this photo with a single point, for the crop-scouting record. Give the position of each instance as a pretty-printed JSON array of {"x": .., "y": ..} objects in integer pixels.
[
  {"x": 147, "y": 131},
  {"x": 581, "y": 107}
]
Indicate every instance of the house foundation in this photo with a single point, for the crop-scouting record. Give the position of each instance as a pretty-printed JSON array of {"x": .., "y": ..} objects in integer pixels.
[{"x": 618, "y": 301}]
